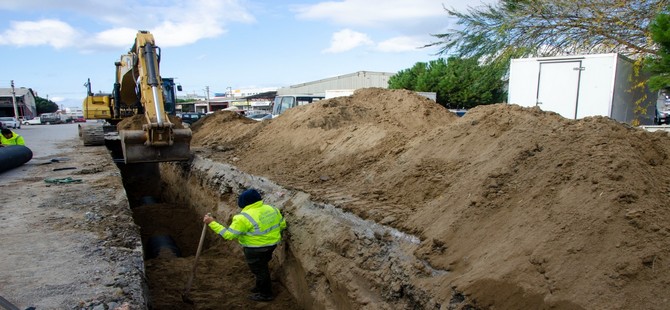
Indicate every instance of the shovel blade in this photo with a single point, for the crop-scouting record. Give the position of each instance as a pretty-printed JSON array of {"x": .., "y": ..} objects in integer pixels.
[{"x": 137, "y": 150}]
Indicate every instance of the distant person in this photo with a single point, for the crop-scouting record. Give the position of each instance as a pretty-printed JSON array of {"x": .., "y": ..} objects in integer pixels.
[
  {"x": 10, "y": 138},
  {"x": 258, "y": 229}
]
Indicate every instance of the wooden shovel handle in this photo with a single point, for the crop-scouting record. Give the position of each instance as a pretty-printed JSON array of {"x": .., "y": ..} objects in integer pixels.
[{"x": 195, "y": 262}]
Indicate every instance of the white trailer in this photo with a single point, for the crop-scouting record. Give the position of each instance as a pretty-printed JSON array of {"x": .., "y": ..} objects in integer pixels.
[
  {"x": 583, "y": 85},
  {"x": 429, "y": 95},
  {"x": 332, "y": 93}
]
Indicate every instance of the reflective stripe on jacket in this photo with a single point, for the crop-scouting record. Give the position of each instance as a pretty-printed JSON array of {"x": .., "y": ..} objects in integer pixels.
[
  {"x": 258, "y": 225},
  {"x": 14, "y": 140}
]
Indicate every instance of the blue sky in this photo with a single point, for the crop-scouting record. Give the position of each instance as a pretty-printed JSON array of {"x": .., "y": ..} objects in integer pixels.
[{"x": 53, "y": 47}]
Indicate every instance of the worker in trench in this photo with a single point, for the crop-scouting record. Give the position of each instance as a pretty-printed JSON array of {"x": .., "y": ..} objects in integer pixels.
[
  {"x": 10, "y": 138},
  {"x": 258, "y": 229}
]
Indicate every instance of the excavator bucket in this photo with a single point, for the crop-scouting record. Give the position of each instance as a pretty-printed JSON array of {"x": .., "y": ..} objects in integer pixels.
[{"x": 139, "y": 147}]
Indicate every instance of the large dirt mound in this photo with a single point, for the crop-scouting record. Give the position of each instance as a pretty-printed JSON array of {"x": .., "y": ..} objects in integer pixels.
[{"x": 524, "y": 208}]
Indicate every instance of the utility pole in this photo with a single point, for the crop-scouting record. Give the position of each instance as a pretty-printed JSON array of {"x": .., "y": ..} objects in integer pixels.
[
  {"x": 16, "y": 108},
  {"x": 207, "y": 95}
]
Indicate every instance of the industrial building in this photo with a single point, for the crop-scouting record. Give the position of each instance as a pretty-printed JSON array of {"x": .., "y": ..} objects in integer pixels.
[
  {"x": 356, "y": 80},
  {"x": 25, "y": 102},
  {"x": 261, "y": 99}
]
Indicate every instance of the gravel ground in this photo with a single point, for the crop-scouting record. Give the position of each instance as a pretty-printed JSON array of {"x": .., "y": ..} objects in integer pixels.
[{"x": 73, "y": 244}]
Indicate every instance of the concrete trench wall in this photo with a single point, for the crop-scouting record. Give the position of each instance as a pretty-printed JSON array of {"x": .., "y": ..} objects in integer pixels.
[{"x": 329, "y": 259}]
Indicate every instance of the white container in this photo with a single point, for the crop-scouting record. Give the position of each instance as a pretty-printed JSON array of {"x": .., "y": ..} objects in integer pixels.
[{"x": 582, "y": 85}]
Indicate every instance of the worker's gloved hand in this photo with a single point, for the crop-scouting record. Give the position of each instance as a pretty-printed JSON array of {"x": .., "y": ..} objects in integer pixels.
[{"x": 208, "y": 218}]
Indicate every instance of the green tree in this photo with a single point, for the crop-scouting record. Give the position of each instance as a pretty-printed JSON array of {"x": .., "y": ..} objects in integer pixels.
[
  {"x": 513, "y": 28},
  {"x": 659, "y": 64},
  {"x": 430, "y": 79},
  {"x": 459, "y": 83},
  {"x": 407, "y": 79},
  {"x": 45, "y": 105},
  {"x": 468, "y": 84}
]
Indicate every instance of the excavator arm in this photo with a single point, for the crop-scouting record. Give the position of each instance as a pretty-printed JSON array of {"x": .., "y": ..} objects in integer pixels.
[
  {"x": 139, "y": 91},
  {"x": 138, "y": 127}
]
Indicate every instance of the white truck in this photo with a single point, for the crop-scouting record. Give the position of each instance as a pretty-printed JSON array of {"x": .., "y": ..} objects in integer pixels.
[
  {"x": 53, "y": 118},
  {"x": 285, "y": 102},
  {"x": 583, "y": 85}
]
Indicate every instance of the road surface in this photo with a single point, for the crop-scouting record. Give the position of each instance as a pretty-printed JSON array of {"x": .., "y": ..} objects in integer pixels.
[
  {"x": 68, "y": 237},
  {"x": 45, "y": 141}
]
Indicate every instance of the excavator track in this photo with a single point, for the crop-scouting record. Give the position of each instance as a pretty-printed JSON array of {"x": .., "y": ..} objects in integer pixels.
[{"x": 92, "y": 135}]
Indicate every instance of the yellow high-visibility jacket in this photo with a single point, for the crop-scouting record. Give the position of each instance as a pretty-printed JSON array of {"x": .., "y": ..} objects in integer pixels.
[
  {"x": 14, "y": 140},
  {"x": 258, "y": 225}
]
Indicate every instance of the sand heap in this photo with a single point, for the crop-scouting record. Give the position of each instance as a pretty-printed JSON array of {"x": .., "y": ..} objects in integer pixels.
[
  {"x": 524, "y": 208},
  {"x": 137, "y": 121}
]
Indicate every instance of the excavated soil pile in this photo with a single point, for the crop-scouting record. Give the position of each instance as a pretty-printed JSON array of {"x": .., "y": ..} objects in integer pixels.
[{"x": 523, "y": 208}]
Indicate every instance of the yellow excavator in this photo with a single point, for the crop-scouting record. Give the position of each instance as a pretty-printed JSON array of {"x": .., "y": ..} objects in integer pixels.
[{"x": 138, "y": 113}]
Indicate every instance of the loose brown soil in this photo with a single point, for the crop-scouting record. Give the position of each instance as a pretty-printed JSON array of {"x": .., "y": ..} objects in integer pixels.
[
  {"x": 136, "y": 122},
  {"x": 523, "y": 208}
]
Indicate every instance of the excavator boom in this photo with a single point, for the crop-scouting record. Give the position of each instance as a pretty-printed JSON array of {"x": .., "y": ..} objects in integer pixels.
[{"x": 137, "y": 103}]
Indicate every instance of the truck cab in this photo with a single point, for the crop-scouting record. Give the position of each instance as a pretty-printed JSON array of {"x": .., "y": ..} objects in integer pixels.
[
  {"x": 285, "y": 102},
  {"x": 52, "y": 118}
]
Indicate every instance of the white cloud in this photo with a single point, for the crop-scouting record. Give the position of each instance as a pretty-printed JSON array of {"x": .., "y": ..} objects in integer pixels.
[
  {"x": 173, "y": 23},
  {"x": 44, "y": 32},
  {"x": 191, "y": 21},
  {"x": 118, "y": 37},
  {"x": 405, "y": 22},
  {"x": 387, "y": 14},
  {"x": 57, "y": 99},
  {"x": 172, "y": 33},
  {"x": 372, "y": 13},
  {"x": 347, "y": 39},
  {"x": 400, "y": 44},
  {"x": 61, "y": 4}
]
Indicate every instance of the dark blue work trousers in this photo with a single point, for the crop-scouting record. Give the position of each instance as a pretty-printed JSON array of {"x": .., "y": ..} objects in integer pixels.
[{"x": 258, "y": 259}]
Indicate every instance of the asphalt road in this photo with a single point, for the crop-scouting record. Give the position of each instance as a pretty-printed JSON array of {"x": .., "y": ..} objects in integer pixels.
[{"x": 45, "y": 141}]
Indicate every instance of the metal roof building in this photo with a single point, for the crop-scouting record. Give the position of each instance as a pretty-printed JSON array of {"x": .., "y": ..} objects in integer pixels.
[
  {"x": 356, "y": 80},
  {"x": 25, "y": 101}
]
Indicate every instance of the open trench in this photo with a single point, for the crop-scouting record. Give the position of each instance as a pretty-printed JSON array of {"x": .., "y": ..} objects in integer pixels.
[{"x": 329, "y": 259}]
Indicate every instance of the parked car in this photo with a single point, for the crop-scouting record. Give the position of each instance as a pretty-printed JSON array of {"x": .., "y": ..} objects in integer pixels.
[
  {"x": 34, "y": 121},
  {"x": 190, "y": 117},
  {"x": 260, "y": 116},
  {"x": 10, "y": 122}
]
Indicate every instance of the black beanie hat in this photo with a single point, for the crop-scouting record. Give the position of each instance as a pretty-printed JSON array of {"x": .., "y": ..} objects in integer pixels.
[{"x": 248, "y": 197}]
